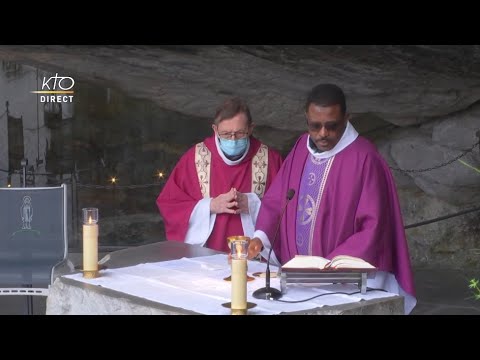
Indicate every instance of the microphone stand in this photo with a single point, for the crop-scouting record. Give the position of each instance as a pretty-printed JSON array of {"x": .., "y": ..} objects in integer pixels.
[{"x": 267, "y": 292}]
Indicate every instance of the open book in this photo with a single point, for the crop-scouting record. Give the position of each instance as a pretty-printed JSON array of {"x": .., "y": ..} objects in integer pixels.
[{"x": 318, "y": 262}]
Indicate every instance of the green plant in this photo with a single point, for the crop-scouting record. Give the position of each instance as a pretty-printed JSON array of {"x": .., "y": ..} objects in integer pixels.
[
  {"x": 474, "y": 283},
  {"x": 475, "y": 288}
]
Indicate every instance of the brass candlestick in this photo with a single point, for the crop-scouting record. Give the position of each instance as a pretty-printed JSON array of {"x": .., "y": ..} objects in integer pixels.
[{"x": 230, "y": 239}]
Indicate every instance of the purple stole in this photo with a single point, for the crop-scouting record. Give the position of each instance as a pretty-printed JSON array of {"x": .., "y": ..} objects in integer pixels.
[{"x": 312, "y": 184}]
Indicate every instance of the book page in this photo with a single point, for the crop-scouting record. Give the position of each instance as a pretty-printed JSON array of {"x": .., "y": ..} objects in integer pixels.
[
  {"x": 305, "y": 262},
  {"x": 349, "y": 262}
]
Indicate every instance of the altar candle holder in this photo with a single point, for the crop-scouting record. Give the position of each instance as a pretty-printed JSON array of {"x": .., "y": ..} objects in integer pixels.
[
  {"x": 231, "y": 239},
  {"x": 90, "y": 243},
  {"x": 239, "y": 252}
]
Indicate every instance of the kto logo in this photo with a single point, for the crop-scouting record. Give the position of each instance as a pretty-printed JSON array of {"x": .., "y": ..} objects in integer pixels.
[{"x": 54, "y": 86}]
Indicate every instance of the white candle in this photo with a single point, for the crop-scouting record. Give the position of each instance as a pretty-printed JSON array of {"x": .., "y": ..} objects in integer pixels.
[
  {"x": 90, "y": 246},
  {"x": 239, "y": 284}
]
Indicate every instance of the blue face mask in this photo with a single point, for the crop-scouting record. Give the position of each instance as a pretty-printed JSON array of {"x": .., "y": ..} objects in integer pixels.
[{"x": 233, "y": 147}]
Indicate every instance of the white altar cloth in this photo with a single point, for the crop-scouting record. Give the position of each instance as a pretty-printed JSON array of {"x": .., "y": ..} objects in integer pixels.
[{"x": 197, "y": 284}]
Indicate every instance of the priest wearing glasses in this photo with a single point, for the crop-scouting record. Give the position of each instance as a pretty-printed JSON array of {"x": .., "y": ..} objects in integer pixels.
[
  {"x": 345, "y": 200},
  {"x": 215, "y": 190}
]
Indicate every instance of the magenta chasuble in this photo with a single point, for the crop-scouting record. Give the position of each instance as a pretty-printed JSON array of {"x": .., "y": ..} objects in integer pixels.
[
  {"x": 182, "y": 192},
  {"x": 354, "y": 210}
]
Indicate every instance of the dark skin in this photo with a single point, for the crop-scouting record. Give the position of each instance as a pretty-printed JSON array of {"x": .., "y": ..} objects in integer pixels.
[{"x": 326, "y": 125}]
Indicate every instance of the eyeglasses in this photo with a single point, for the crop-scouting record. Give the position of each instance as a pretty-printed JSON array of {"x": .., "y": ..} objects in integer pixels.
[
  {"x": 333, "y": 125},
  {"x": 235, "y": 135}
]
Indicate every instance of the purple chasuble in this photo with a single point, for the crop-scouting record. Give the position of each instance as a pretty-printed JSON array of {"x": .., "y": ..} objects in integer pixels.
[{"x": 358, "y": 213}]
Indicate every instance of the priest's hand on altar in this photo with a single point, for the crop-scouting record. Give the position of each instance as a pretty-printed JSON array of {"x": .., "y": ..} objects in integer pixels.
[
  {"x": 254, "y": 247},
  {"x": 224, "y": 203}
]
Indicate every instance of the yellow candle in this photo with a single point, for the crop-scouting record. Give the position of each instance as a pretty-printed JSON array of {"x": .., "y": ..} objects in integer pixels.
[
  {"x": 239, "y": 284},
  {"x": 90, "y": 246}
]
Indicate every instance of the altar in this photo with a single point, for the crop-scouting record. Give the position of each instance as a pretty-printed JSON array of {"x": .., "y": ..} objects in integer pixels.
[{"x": 177, "y": 278}]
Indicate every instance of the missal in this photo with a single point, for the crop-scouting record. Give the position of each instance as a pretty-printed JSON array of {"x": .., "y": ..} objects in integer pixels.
[{"x": 318, "y": 262}]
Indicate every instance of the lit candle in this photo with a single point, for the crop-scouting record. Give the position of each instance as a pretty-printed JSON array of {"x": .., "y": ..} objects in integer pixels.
[
  {"x": 239, "y": 275},
  {"x": 90, "y": 239}
]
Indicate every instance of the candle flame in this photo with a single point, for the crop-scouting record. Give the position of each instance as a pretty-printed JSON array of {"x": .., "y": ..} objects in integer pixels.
[
  {"x": 238, "y": 247},
  {"x": 89, "y": 219}
]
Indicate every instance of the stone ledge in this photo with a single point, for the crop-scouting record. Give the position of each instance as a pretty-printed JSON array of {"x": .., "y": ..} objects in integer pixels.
[{"x": 72, "y": 297}]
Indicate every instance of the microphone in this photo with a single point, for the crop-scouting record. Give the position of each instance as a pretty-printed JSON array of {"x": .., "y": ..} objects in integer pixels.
[{"x": 267, "y": 292}]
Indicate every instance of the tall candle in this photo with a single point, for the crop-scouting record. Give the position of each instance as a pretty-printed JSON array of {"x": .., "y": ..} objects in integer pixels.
[
  {"x": 90, "y": 239},
  {"x": 239, "y": 279},
  {"x": 239, "y": 284}
]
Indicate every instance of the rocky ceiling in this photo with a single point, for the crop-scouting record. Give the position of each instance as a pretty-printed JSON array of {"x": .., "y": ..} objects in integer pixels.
[{"x": 401, "y": 84}]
